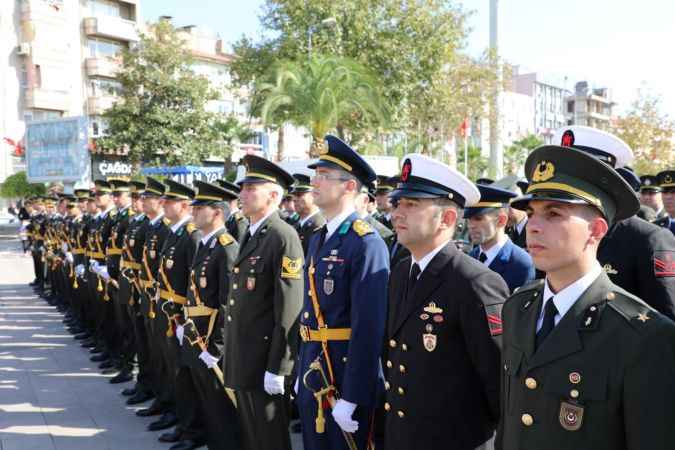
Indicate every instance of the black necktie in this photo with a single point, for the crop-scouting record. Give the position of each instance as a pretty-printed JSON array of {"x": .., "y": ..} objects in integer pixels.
[
  {"x": 412, "y": 279},
  {"x": 482, "y": 257},
  {"x": 548, "y": 324},
  {"x": 247, "y": 236},
  {"x": 322, "y": 235}
]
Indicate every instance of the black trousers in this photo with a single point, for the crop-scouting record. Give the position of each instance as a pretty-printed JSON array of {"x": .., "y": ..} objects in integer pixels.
[{"x": 264, "y": 420}]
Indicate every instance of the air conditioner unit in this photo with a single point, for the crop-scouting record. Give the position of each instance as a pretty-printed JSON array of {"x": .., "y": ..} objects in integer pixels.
[{"x": 23, "y": 49}]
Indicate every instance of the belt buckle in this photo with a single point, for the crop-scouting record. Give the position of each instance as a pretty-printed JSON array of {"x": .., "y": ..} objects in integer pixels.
[{"x": 304, "y": 333}]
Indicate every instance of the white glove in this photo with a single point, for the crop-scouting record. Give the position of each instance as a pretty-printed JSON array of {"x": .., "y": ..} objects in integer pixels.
[
  {"x": 64, "y": 247},
  {"x": 93, "y": 264},
  {"x": 69, "y": 257},
  {"x": 103, "y": 272},
  {"x": 79, "y": 270},
  {"x": 180, "y": 331},
  {"x": 296, "y": 386},
  {"x": 274, "y": 384},
  {"x": 342, "y": 413},
  {"x": 208, "y": 359}
]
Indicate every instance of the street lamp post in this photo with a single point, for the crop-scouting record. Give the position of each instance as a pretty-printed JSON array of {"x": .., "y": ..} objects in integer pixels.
[{"x": 496, "y": 150}]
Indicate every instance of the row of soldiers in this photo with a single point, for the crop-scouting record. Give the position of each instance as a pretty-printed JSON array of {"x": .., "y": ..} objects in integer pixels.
[{"x": 379, "y": 326}]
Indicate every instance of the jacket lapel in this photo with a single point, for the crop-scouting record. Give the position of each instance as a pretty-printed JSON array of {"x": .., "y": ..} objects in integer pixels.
[
  {"x": 252, "y": 242},
  {"x": 427, "y": 283},
  {"x": 525, "y": 325},
  {"x": 565, "y": 338},
  {"x": 499, "y": 263}
]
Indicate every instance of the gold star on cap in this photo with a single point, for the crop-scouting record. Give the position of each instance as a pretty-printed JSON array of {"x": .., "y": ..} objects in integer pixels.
[{"x": 643, "y": 317}]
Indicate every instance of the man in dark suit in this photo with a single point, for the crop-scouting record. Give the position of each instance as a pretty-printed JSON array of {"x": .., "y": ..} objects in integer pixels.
[
  {"x": 487, "y": 222},
  {"x": 566, "y": 383},
  {"x": 633, "y": 251},
  {"x": 444, "y": 321},
  {"x": 342, "y": 320},
  {"x": 264, "y": 300},
  {"x": 310, "y": 218}
]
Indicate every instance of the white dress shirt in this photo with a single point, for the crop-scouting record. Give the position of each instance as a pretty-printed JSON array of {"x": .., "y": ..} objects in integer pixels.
[
  {"x": 493, "y": 251},
  {"x": 180, "y": 223},
  {"x": 302, "y": 222},
  {"x": 336, "y": 221},
  {"x": 156, "y": 219},
  {"x": 566, "y": 298},
  {"x": 254, "y": 227},
  {"x": 426, "y": 259},
  {"x": 206, "y": 238}
]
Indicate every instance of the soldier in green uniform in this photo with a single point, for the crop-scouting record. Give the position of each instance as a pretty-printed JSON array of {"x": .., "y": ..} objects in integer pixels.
[
  {"x": 586, "y": 365},
  {"x": 264, "y": 300},
  {"x": 132, "y": 265},
  {"x": 156, "y": 234},
  {"x": 310, "y": 218}
]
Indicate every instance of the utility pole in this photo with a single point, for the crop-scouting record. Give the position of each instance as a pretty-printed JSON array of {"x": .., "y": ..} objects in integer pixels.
[{"x": 496, "y": 150}]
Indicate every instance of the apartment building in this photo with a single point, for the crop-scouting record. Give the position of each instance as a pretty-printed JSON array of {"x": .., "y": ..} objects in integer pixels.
[
  {"x": 589, "y": 106},
  {"x": 63, "y": 56}
]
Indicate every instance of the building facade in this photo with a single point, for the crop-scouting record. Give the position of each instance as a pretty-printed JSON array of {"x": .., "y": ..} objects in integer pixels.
[
  {"x": 63, "y": 56},
  {"x": 592, "y": 107}
]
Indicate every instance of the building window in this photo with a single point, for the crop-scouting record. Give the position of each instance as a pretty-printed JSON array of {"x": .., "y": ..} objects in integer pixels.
[
  {"x": 99, "y": 48},
  {"x": 97, "y": 126},
  {"x": 100, "y": 8},
  {"x": 41, "y": 114},
  {"x": 100, "y": 88},
  {"x": 570, "y": 106}
]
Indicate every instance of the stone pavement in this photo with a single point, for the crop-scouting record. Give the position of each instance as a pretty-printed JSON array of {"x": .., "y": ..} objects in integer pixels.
[{"x": 51, "y": 395}]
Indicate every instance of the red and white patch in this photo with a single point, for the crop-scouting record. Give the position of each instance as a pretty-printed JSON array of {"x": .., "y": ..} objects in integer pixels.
[{"x": 664, "y": 264}]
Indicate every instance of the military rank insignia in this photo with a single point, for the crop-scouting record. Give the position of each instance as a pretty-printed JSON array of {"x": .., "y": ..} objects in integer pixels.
[
  {"x": 190, "y": 227},
  {"x": 291, "y": 268},
  {"x": 362, "y": 228},
  {"x": 664, "y": 266},
  {"x": 609, "y": 270},
  {"x": 225, "y": 239},
  {"x": 544, "y": 171},
  {"x": 429, "y": 340},
  {"x": 571, "y": 416},
  {"x": 169, "y": 263}
]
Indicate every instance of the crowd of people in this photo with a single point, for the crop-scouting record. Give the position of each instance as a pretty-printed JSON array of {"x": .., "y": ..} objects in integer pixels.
[{"x": 417, "y": 311}]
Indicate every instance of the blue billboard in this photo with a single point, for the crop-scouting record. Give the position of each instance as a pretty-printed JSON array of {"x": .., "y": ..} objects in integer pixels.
[{"x": 56, "y": 150}]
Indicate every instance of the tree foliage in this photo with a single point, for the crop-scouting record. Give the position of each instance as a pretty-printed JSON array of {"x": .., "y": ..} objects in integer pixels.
[
  {"x": 413, "y": 48},
  {"x": 17, "y": 186},
  {"x": 161, "y": 116},
  {"x": 324, "y": 94},
  {"x": 516, "y": 153},
  {"x": 649, "y": 132}
]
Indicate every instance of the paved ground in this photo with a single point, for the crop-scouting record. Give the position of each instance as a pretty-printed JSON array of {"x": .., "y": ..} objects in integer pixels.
[{"x": 51, "y": 396}]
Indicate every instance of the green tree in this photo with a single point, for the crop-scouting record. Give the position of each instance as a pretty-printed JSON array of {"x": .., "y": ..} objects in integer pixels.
[
  {"x": 413, "y": 47},
  {"x": 324, "y": 94},
  {"x": 477, "y": 163},
  {"x": 161, "y": 117},
  {"x": 17, "y": 186},
  {"x": 649, "y": 132},
  {"x": 516, "y": 153}
]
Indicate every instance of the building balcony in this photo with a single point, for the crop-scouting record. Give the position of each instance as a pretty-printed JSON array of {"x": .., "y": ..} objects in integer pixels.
[
  {"x": 38, "y": 98},
  {"x": 99, "y": 104},
  {"x": 102, "y": 67},
  {"x": 112, "y": 28},
  {"x": 598, "y": 116}
]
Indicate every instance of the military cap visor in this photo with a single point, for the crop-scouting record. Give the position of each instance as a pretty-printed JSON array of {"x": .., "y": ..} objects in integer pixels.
[
  {"x": 153, "y": 188},
  {"x": 666, "y": 179},
  {"x": 302, "y": 184},
  {"x": 491, "y": 198},
  {"x": 177, "y": 191},
  {"x": 337, "y": 154},
  {"x": 570, "y": 175},
  {"x": 102, "y": 187},
  {"x": 260, "y": 170},
  {"x": 211, "y": 195}
]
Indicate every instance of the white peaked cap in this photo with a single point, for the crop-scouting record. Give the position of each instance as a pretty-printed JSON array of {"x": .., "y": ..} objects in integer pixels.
[
  {"x": 596, "y": 142},
  {"x": 424, "y": 177}
]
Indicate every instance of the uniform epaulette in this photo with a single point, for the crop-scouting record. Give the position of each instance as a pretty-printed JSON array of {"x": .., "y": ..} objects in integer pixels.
[
  {"x": 362, "y": 227},
  {"x": 131, "y": 212},
  {"x": 238, "y": 216},
  {"x": 635, "y": 311},
  {"x": 113, "y": 212},
  {"x": 190, "y": 227},
  {"x": 225, "y": 239},
  {"x": 166, "y": 221}
]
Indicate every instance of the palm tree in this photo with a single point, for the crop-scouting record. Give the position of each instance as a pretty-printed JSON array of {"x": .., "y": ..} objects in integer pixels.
[{"x": 323, "y": 94}]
